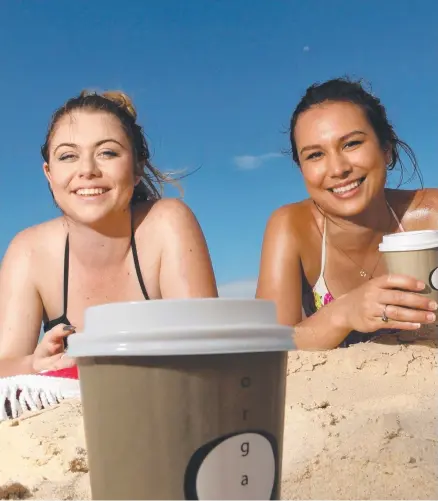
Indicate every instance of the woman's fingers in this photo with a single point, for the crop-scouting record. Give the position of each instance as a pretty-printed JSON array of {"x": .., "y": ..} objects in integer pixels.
[
  {"x": 403, "y": 282},
  {"x": 399, "y": 326},
  {"x": 64, "y": 362},
  {"x": 56, "y": 336},
  {"x": 407, "y": 307},
  {"x": 56, "y": 362},
  {"x": 409, "y": 315},
  {"x": 408, "y": 299},
  {"x": 61, "y": 331},
  {"x": 402, "y": 304}
]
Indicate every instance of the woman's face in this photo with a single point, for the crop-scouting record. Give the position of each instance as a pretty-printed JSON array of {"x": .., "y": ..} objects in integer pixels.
[
  {"x": 342, "y": 161},
  {"x": 91, "y": 166}
]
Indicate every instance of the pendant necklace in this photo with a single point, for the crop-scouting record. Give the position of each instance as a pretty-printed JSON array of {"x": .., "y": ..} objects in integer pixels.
[{"x": 362, "y": 271}]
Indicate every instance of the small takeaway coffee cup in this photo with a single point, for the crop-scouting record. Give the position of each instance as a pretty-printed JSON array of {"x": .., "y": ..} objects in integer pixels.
[
  {"x": 183, "y": 399},
  {"x": 414, "y": 253}
]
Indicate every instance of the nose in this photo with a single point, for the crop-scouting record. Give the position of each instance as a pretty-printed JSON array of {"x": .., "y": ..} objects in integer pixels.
[
  {"x": 88, "y": 168},
  {"x": 338, "y": 166}
]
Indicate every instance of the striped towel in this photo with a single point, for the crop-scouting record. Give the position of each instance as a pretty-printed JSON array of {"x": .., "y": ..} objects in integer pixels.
[{"x": 36, "y": 391}]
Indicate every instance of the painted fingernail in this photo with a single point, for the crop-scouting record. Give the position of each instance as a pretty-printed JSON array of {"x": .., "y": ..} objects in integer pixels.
[
  {"x": 69, "y": 328},
  {"x": 433, "y": 305},
  {"x": 431, "y": 317}
]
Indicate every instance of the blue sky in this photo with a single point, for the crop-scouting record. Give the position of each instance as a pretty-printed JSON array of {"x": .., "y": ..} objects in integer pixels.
[{"x": 215, "y": 82}]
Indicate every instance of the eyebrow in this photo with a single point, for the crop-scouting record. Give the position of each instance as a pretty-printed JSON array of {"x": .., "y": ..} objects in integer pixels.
[
  {"x": 342, "y": 138},
  {"x": 99, "y": 143}
]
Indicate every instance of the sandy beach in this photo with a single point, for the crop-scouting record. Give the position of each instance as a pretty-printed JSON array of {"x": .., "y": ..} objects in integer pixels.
[{"x": 361, "y": 423}]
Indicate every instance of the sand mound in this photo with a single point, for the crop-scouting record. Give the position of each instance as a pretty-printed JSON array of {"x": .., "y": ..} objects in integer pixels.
[
  {"x": 360, "y": 424},
  {"x": 43, "y": 455}
]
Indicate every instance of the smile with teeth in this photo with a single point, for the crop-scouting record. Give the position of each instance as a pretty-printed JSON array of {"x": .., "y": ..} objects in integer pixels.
[
  {"x": 348, "y": 187},
  {"x": 87, "y": 192}
]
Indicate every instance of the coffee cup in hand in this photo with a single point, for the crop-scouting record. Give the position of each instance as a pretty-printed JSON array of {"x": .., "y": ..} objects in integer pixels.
[{"x": 415, "y": 253}]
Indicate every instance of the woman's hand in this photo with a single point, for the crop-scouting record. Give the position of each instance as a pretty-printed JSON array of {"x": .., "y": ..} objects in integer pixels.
[
  {"x": 388, "y": 302},
  {"x": 49, "y": 354}
]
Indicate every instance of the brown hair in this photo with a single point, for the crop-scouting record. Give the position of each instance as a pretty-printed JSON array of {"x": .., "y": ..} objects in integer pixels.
[
  {"x": 352, "y": 91},
  {"x": 120, "y": 105}
]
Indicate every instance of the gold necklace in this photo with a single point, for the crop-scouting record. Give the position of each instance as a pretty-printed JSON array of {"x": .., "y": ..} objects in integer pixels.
[{"x": 362, "y": 271}]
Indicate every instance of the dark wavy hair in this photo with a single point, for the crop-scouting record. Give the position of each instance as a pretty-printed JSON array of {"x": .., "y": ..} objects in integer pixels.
[{"x": 351, "y": 91}]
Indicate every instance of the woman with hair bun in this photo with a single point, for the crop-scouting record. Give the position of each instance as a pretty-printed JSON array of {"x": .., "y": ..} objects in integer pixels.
[
  {"x": 321, "y": 255},
  {"x": 116, "y": 240}
]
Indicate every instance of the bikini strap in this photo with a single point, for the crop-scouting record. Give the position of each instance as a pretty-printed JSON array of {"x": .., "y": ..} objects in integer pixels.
[
  {"x": 324, "y": 238},
  {"x": 324, "y": 247},
  {"x": 67, "y": 266},
  {"x": 66, "y": 270},
  {"x": 400, "y": 226},
  {"x": 137, "y": 263}
]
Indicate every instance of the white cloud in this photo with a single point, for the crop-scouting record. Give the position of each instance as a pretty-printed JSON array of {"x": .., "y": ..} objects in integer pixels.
[
  {"x": 239, "y": 289},
  {"x": 249, "y": 162}
]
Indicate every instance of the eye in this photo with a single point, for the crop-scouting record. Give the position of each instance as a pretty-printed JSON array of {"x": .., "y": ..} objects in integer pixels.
[
  {"x": 66, "y": 156},
  {"x": 315, "y": 155},
  {"x": 352, "y": 144},
  {"x": 108, "y": 153},
  {"x": 433, "y": 279}
]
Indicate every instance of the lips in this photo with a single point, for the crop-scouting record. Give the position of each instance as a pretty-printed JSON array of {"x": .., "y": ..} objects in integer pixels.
[{"x": 339, "y": 190}]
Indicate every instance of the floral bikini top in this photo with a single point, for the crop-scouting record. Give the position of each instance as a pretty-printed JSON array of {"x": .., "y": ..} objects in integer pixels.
[{"x": 318, "y": 296}]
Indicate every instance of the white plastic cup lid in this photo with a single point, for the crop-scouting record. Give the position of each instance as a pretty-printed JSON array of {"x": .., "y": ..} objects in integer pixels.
[
  {"x": 181, "y": 327},
  {"x": 409, "y": 241}
]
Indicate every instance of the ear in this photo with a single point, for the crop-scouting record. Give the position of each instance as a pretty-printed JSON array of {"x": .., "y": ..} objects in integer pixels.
[
  {"x": 388, "y": 154},
  {"x": 47, "y": 173},
  {"x": 138, "y": 173}
]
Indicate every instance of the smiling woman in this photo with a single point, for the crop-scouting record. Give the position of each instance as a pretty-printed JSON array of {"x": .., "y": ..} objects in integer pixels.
[
  {"x": 117, "y": 239},
  {"x": 326, "y": 247}
]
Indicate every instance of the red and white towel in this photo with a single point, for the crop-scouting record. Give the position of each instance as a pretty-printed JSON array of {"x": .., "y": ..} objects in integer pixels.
[{"x": 36, "y": 391}]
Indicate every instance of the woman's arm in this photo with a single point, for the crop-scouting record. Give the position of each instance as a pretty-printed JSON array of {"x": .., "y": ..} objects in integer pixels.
[
  {"x": 280, "y": 281},
  {"x": 20, "y": 308},
  {"x": 186, "y": 270},
  {"x": 361, "y": 309}
]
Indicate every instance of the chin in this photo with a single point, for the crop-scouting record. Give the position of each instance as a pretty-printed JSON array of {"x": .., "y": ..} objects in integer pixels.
[
  {"x": 88, "y": 217},
  {"x": 95, "y": 211},
  {"x": 348, "y": 211},
  {"x": 343, "y": 208}
]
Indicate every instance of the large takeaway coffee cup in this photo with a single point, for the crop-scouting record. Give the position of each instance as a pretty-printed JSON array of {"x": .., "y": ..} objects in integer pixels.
[
  {"x": 414, "y": 253},
  {"x": 183, "y": 399}
]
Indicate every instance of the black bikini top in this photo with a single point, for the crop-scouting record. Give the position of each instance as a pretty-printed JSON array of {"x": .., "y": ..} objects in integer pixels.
[{"x": 63, "y": 318}]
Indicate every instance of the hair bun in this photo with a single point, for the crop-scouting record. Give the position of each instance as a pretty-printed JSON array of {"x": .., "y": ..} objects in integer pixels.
[{"x": 122, "y": 100}]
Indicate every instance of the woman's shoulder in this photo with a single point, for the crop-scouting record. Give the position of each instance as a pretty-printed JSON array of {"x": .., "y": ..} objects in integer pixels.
[
  {"x": 168, "y": 218},
  {"x": 164, "y": 210},
  {"x": 37, "y": 237},
  {"x": 418, "y": 209},
  {"x": 427, "y": 197},
  {"x": 294, "y": 217},
  {"x": 31, "y": 250},
  {"x": 294, "y": 227}
]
